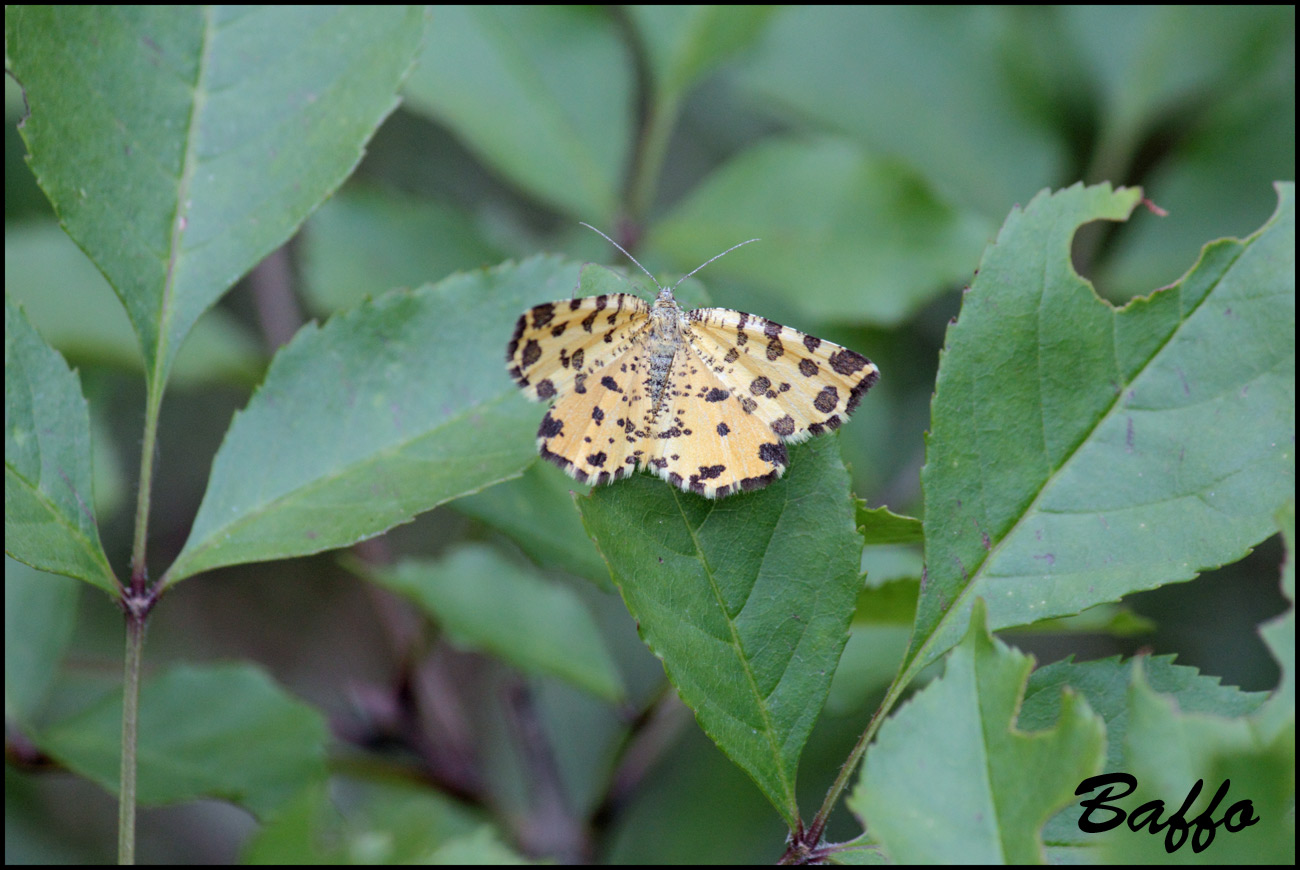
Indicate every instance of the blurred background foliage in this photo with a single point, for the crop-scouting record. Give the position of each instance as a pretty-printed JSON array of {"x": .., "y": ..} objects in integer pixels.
[{"x": 874, "y": 151}]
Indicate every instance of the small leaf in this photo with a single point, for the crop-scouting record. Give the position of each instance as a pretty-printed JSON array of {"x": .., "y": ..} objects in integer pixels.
[
  {"x": 223, "y": 731},
  {"x": 49, "y": 501},
  {"x": 883, "y": 526},
  {"x": 386, "y": 411},
  {"x": 951, "y": 779},
  {"x": 486, "y": 603},
  {"x": 747, "y": 601}
]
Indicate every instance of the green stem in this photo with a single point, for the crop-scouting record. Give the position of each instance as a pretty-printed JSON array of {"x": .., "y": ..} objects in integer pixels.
[
  {"x": 130, "y": 721},
  {"x": 137, "y": 600},
  {"x": 139, "y": 570},
  {"x": 813, "y": 834}
]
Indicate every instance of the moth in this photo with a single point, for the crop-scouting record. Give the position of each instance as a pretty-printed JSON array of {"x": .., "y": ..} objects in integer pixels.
[{"x": 707, "y": 398}]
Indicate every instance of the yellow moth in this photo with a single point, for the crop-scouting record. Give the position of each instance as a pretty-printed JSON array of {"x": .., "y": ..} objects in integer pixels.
[{"x": 707, "y": 399}]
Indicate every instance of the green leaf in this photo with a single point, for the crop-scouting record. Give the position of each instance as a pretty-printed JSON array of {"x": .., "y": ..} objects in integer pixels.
[
  {"x": 381, "y": 822},
  {"x": 1104, "y": 684},
  {"x": 386, "y": 411},
  {"x": 683, "y": 43},
  {"x": 846, "y": 236},
  {"x": 224, "y": 731},
  {"x": 365, "y": 241},
  {"x": 543, "y": 94},
  {"x": 951, "y": 779},
  {"x": 904, "y": 79},
  {"x": 1279, "y": 635},
  {"x": 1168, "y": 750},
  {"x": 1148, "y": 62},
  {"x": 40, "y": 615},
  {"x": 486, "y": 603},
  {"x": 536, "y": 512},
  {"x": 49, "y": 502},
  {"x": 1079, "y": 452},
  {"x": 883, "y": 526},
  {"x": 69, "y": 301},
  {"x": 180, "y": 145},
  {"x": 747, "y": 601}
]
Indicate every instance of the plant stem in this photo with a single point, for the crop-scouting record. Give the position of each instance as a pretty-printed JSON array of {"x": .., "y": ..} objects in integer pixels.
[
  {"x": 139, "y": 570},
  {"x": 130, "y": 721},
  {"x": 137, "y": 600}
]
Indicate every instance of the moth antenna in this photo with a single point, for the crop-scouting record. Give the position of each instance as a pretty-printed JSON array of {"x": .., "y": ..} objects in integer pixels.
[
  {"x": 624, "y": 250},
  {"x": 710, "y": 260}
]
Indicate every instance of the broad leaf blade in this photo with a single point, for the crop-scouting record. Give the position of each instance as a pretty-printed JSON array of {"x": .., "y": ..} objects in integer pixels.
[
  {"x": 1079, "y": 452},
  {"x": 181, "y": 144},
  {"x": 747, "y": 601},
  {"x": 49, "y": 502},
  {"x": 951, "y": 779},
  {"x": 224, "y": 731},
  {"x": 386, "y": 411}
]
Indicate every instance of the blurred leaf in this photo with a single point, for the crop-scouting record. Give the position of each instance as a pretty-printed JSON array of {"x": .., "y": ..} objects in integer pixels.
[
  {"x": 365, "y": 241},
  {"x": 1279, "y": 635},
  {"x": 49, "y": 495},
  {"x": 381, "y": 822},
  {"x": 870, "y": 661},
  {"x": 40, "y": 614},
  {"x": 1210, "y": 92},
  {"x": 747, "y": 601},
  {"x": 845, "y": 236},
  {"x": 1079, "y": 452},
  {"x": 72, "y": 305},
  {"x": 543, "y": 94},
  {"x": 684, "y": 43},
  {"x": 714, "y": 812},
  {"x": 536, "y": 511},
  {"x": 483, "y": 846},
  {"x": 385, "y": 412},
  {"x": 189, "y": 142},
  {"x": 1104, "y": 685},
  {"x": 1169, "y": 750},
  {"x": 892, "y": 603},
  {"x": 223, "y": 731},
  {"x": 945, "y": 780},
  {"x": 489, "y": 604},
  {"x": 1113, "y": 619},
  {"x": 927, "y": 86},
  {"x": 1149, "y": 61}
]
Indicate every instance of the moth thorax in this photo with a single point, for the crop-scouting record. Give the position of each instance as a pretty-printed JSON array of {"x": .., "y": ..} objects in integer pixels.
[{"x": 665, "y": 341}]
